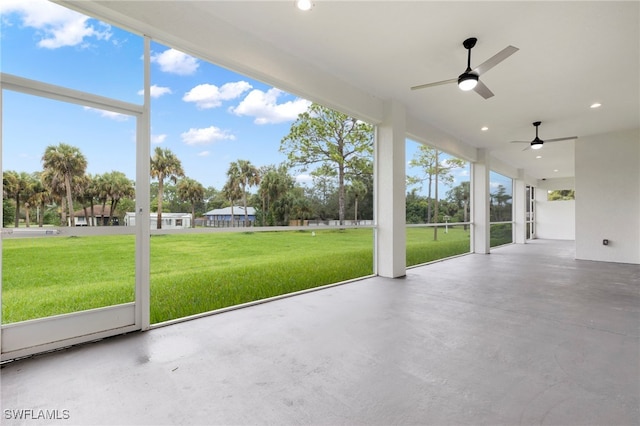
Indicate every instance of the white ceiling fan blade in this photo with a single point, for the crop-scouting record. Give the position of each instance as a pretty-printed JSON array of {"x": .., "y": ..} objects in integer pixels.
[
  {"x": 483, "y": 90},
  {"x": 561, "y": 139},
  {"x": 437, "y": 83},
  {"x": 495, "y": 60},
  {"x": 520, "y": 142}
]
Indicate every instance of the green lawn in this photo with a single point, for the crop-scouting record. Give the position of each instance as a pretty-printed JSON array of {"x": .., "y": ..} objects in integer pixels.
[
  {"x": 192, "y": 273},
  {"x": 55, "y": 275},
  {"x": 500, "y": 234},
  {"x": 421, "y": 248},
  {"x": 228, "y": 269}
]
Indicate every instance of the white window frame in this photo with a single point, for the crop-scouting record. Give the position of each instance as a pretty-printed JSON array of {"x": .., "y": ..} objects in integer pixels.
[{"x": 44, "y": 334}]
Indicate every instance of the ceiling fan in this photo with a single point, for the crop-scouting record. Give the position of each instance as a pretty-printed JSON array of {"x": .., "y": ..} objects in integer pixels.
[
  {"x": 468, "y": 80},
  {"x": 537, "y": 142}
]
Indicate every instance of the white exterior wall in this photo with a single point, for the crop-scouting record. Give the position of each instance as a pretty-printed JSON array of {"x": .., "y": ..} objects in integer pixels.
[
  {"x": 555, "y": 220},
  {"x": 608, "y": 197}
]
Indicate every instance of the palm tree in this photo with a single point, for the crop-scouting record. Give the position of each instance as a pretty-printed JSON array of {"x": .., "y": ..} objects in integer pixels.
[
  {"x": 231, "y": 191},
  {"x": 90, "y": 194},
  {"x": 244, "y": 175},
  {"x": 231, "y": 188},
  {"x": 83, "y": 195},
  {"x": 358, "y": 189},
  {"x": 119, "y": 187},
  {"x": 164, "y": 165},
  {"x": 191, "y": 190},
  {"x": 11, "y": 189},
  {"x": 65, "y": 161},
  {"x": 40, "y": 196},
  {"x": 275, "y": 182},
  {"x": 102, "y": 188},
  {"x": 300, "y": 207},
  {"x": 55, "y": 190},
  {"x": 18, "y": 186},
  {"x": 263, "y": 191},
  {"x": 28, "y": 183}
]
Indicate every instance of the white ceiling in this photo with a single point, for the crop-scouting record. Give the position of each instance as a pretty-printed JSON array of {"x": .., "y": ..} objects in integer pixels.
[{"x": 571, "y": 55}]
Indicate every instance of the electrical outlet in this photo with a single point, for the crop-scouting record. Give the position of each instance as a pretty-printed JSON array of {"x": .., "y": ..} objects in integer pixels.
[{"x": 605, "y": 242}]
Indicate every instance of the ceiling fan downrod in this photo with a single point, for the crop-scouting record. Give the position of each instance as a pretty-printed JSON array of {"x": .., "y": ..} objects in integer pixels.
[
  {"x": 468, "y": 80},
  {"x": 469, "y": 44},
  {"x": 537, "y": 142}
]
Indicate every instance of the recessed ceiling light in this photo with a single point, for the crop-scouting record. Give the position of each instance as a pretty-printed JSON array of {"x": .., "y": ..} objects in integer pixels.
[
  {"x": 555, "y": 170},
  {"x": 484, "y": 129},
  {"x": 304, "y": 4},
  {"x": 596, "y": 105},
  {"x": 538, "y": 156}
]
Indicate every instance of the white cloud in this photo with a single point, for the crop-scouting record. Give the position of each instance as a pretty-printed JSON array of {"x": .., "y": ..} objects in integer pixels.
[
  {"x": 158, "y": 139},
  {"x": 208, "y": 96},
  {"x": 156, "y": 91},
  {"x": 175, "y": 62},
  {"x": 108, "y": 114},
  {"x": 304, "y": 179},
  {"x": 57, "y": 26},
  {"x": 265, "y": 108},
  {"x": 205, "y": 136},
  {"x": 203, "y": 154}
]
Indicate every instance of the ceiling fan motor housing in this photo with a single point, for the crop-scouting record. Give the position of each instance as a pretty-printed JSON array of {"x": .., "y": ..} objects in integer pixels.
[{"x": 469, "y": 43}]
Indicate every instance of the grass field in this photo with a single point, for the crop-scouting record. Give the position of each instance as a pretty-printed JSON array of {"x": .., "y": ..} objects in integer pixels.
[
  {"x": 421, "y": 248},
  {"x": 193, "y": 273}
]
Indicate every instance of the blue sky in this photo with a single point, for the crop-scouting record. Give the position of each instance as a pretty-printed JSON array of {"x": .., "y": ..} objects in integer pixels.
[{"x": 207, "y": 115}]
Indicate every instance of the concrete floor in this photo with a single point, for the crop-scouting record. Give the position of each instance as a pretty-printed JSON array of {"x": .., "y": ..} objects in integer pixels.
[{"x": 526, "y": 335}]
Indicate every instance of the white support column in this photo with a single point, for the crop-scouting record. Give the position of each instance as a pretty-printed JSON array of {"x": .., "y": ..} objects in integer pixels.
[
  {"x": 390, "y": 244},
  {"x": 143, "y": 180},
  {"x": 480, "y": 203},
  {"x": 519, "y": 209}
]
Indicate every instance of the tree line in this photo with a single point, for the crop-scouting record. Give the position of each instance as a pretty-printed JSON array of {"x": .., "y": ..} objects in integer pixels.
[
  {"x": 336, "y": 150},
  {"x": 338, "y": 147},
  {"x": 455, "y": 206}
]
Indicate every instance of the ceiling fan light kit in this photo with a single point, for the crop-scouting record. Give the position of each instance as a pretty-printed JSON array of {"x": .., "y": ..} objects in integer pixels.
[
  {"x": 536, "y": 144},
  {"x": 467, "y": 81}
]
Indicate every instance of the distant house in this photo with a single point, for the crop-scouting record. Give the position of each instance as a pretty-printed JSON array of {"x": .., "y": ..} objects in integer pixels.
[
  {"x": 169, "y": 220},
  {"x": 222, "y": 217},
  {"x": 100, "y": 217}
]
